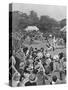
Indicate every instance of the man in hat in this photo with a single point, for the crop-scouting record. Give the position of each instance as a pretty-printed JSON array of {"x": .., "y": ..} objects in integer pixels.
[
  {"x": 56, "y": 63},
  {"x": 31, "y": 81}
]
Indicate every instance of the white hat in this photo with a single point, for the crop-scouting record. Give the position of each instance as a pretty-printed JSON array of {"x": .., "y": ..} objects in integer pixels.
[
  {"x": 50, "y": 35},
  {"x": 40, "y": 54},
  {"x": 47, "y": 55},
  {"x": 56, "y": 57},
  {"x": 48, "y": 61}
]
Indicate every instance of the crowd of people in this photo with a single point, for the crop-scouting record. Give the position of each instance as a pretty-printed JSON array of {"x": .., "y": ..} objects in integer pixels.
[{"x": 33, "y": 66}]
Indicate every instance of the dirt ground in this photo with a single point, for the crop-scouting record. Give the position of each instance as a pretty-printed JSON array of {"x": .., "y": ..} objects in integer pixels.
[{"x": 40, "y": 44}]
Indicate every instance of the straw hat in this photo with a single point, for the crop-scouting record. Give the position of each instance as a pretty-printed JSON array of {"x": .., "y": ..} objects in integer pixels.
[
  {"x": 56, "y": 57},
  {"x": 32, "y": 77}
]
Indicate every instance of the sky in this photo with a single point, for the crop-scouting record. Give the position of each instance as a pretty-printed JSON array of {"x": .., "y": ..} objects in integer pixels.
[{"x": 56, "y": 12}]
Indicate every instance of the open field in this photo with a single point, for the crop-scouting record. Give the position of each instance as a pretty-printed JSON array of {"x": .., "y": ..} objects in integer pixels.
[{"x": 40, "y": 44}]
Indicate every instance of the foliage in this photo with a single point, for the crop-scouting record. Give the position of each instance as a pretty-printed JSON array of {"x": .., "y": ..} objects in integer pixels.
[{"x": 46, "y": 24}]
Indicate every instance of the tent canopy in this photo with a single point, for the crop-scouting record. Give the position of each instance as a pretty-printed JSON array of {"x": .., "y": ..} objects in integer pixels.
[
  {"x": 31, "y": 28},
  {"x": 63, "y": 29}
]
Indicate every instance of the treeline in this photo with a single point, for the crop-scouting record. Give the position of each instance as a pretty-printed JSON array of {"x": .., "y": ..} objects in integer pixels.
[{"x": 45, "y": 23}]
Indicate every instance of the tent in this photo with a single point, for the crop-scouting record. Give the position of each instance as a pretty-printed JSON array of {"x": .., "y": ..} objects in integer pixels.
[
  {"x": 63, "y": 29},
  {"x": 31, "y": 28}
]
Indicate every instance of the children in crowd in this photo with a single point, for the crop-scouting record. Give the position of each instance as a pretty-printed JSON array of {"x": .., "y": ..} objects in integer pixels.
[{"x": 38, "y": 66}]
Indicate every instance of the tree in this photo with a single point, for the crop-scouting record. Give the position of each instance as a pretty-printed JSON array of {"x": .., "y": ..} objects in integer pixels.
[
  {"x": 33, "y": 18},
  {"x": 62, "y": 23},
  {"x": 47, "y": 23}
]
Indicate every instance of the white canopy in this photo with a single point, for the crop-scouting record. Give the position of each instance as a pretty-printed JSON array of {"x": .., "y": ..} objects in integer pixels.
[
  {"x": 63, "y": 29},
  {"x": 31, "y": 28}
]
